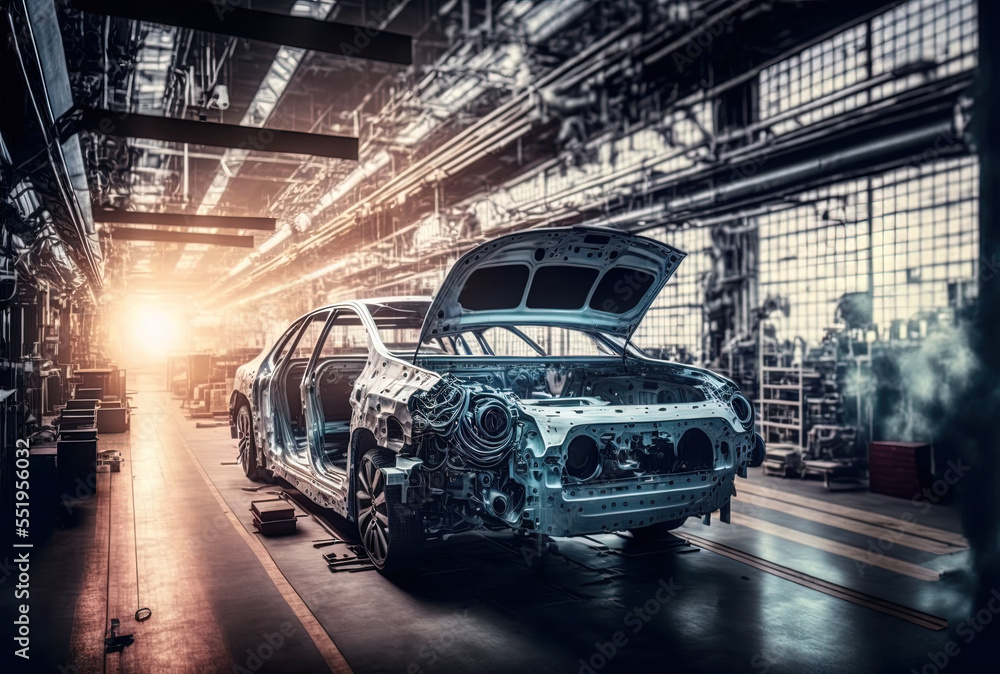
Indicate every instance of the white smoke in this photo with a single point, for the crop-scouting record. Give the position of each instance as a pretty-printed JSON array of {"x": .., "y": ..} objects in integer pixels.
[{"x": 933, "y": 379}]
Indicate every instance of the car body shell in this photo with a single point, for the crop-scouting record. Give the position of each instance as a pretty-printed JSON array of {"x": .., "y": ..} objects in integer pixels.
[{"x": 668, "y": 439}]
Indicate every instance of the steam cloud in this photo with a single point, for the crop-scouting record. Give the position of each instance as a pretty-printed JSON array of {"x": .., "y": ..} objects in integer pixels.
[{"x": 935, "y": 380}]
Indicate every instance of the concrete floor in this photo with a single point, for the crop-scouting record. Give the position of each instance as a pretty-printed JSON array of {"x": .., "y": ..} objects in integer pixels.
[{"x": 173, "y": 532}]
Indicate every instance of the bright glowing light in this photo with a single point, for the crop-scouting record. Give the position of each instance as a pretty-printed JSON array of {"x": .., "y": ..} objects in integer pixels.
[{"x": 153, "y": 331}]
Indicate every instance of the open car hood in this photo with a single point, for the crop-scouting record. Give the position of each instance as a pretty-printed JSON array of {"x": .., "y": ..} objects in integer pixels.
[{"x": 582, "y": 277}]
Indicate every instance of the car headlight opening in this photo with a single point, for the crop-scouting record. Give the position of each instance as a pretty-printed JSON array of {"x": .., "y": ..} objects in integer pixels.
[
  {"x": 743, "y": 410},
  {"x": 583, "y": 457}
]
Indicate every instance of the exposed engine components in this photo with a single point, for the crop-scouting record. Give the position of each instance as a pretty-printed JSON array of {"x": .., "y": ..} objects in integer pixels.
[
  {"x": 486, "y": 430},
  {"x": 475, "y": 421},
  {"x": 481, "y": 441},
  {"x": 437, "y": 410},
  {"x": 465, "y": 433}
]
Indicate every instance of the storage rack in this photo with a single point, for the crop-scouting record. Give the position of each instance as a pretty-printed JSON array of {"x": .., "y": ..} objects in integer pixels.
[{"x": 781, "y": 399}]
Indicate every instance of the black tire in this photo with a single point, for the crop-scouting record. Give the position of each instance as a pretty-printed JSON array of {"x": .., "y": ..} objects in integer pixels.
[
  {"x": 247, "y": 445},
  {"x": 391, "y": 533},
  {"x": 657, "y": 531}
]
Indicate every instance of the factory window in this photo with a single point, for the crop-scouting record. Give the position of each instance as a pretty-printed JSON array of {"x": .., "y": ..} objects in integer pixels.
[
  {"x": 810, "y": 80},
  {"x": 924, "y": 238},
  {"x": 813, "y": 254},
  {"x": 900, "y": 49},
  {"x": 932, "y": 38},
  {"x": 923, "y": 247},
  {"x": 673, "y": 326}
]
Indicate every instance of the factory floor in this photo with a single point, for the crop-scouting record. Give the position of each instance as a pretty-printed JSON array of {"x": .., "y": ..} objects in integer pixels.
[{"x": 803, "y": 580}]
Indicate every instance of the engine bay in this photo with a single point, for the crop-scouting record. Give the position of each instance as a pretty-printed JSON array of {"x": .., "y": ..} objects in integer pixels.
[{"x": 477, "y": 434}]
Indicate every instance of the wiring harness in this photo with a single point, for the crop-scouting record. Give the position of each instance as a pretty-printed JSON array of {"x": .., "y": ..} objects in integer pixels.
[{"x": 476, "y": 422}]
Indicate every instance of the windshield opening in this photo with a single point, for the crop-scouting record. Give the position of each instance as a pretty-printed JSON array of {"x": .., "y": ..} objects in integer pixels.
[
  {"x": 528, "y": 341},
  {"x": 398, "y": 325}
]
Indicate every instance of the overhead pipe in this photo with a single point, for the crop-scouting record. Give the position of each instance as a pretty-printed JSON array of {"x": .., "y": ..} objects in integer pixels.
[
  {"x": 915, "y": 140},
  {"x": 415, "y": 173},
  {"x": 826, "y": 165}
]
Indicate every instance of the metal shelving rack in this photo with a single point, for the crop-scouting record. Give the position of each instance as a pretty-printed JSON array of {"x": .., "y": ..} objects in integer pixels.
[{"x": 781, "y": 388}]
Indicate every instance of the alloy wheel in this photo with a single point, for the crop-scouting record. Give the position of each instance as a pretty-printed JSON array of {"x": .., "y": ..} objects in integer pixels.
[
  {"x": 244, "y": 441},
  {"x": 372, "y": 511}
]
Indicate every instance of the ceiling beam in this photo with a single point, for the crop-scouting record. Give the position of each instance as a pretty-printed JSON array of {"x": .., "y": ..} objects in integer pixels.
[
  {"x": 133, "y": 234},
  {"x": 184, "y": 220},
  {"x": 173, "y": 130},
  {"x": 169, "y": 151},
  {"x": 292, "y": 31}
]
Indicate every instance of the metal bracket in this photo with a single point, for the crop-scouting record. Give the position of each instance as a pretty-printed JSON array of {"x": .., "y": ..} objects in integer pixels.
[{"x": 400, "y": 473}]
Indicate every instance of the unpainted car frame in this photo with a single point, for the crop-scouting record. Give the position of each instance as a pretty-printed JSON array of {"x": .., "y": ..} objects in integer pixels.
[{"x": 451, "y": 436}]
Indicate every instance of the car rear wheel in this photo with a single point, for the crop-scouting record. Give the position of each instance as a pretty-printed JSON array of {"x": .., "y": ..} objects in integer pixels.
[
  {"x": 247, "y": 445},
  {"x": 658, "y": 530},
  {"x": 391, "y": 532}
]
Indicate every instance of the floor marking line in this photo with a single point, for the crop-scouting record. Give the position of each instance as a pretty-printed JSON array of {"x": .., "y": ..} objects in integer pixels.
[
  {"x": 885, "y": 606},
  {"x": 840, "y": 549},
  {"x": 331, "y": 654},
  {"x": 848, "y": 524},
  {"x": 893, "y": 523},
  {"x": 90, "y": 614},
  {"x": 123, "y": 567}
]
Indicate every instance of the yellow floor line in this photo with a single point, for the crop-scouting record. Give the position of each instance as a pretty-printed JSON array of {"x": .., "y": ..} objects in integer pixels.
[
  {"x": 857, "y": 554},
  {"x": 876, "y": 533},
  {"x": 334, "y": 659},
  {"x": 894, "y": 523}
]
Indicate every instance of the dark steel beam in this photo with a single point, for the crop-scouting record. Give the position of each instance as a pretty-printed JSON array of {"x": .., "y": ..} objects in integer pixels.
[
  {"x": 221, "y": 17},
  {"x": 970, "y": 431},
  {"x": 133, "y": 234},
  {"x": 172, "y": 130},
  {"x": 184, "y": 220}
]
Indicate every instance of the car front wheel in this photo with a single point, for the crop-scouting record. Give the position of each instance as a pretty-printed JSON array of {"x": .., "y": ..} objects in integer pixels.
[{"x": 391, "y": 532}]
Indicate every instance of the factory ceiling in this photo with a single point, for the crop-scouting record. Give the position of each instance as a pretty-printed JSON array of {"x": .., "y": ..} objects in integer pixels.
[{"x": 415, "y": 109}]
